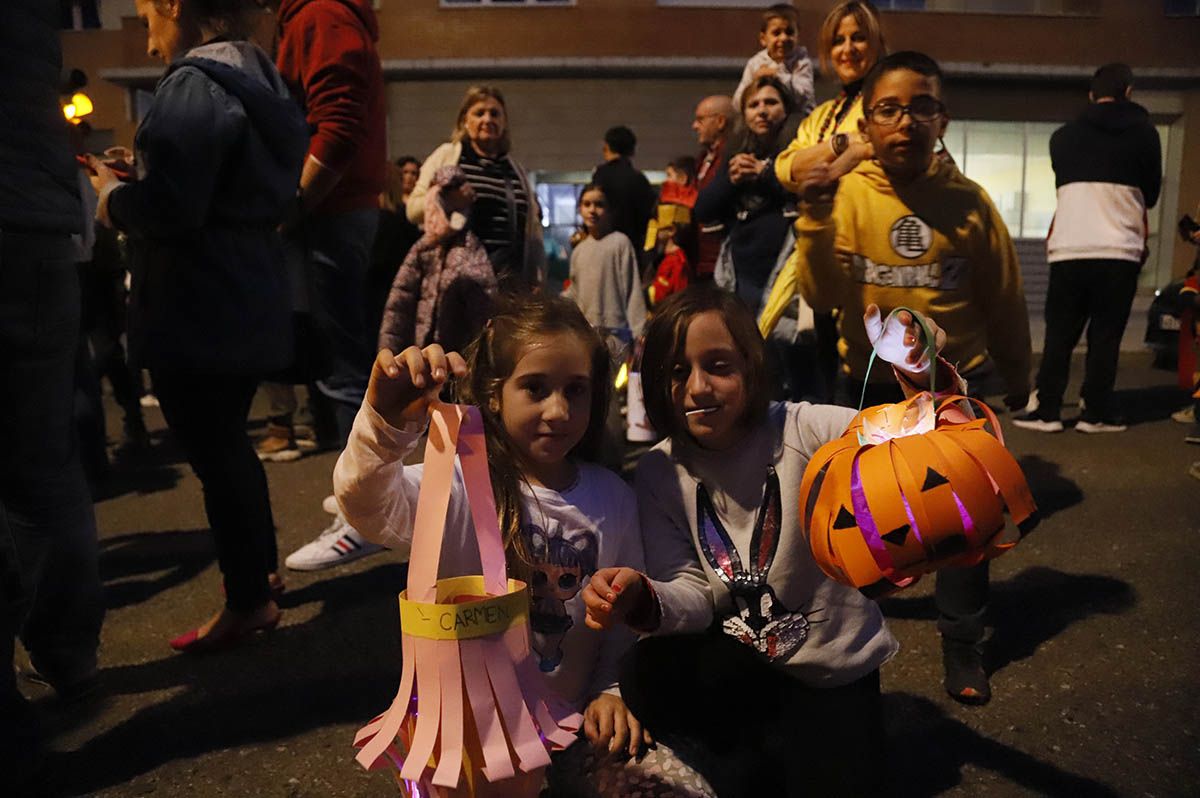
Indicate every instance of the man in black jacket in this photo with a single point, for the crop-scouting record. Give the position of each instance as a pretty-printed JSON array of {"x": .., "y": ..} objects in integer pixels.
[
  {"x": 49, "y": 586},
  {"x": 1108, "y": 170},
  {"x": 628, "y": 191}
]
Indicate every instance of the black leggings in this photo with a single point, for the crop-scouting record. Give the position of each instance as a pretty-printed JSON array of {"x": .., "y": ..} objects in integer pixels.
[
  {"x": 767, "y": 733},
  {"x": 207, "y": 415}
]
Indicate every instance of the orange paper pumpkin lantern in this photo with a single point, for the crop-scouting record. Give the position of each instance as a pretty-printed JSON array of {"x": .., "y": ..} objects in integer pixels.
[{"x": 908, "y": 489}]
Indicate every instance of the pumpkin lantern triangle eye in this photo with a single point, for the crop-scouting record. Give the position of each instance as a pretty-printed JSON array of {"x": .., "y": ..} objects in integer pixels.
[{"x": 909, "y": 489}]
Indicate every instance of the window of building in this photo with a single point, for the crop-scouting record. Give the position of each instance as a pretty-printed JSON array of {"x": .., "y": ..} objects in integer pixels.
[
  {"x": 1011, "y": 160},
  {"x": 1036, "y": 7},
  {"x": 1182, "y": 8}
]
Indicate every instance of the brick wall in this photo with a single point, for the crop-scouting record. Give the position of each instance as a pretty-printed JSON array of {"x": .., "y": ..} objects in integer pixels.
[{"x": 558, "y": 124}]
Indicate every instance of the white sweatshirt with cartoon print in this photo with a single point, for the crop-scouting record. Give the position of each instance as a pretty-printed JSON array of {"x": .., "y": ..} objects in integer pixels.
[{"x": 593, "y": 524}]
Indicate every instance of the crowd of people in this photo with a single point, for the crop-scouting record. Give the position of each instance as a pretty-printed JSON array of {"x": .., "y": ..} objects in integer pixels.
[{"x": 284, "y": 251}]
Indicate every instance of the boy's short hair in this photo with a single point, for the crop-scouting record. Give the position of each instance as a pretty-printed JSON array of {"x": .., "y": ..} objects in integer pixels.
[
  {"x": 784, "y": 11},
  {"x": 868, "y": 21},
  {"x": 621, "y": 140},
  {"x": 666, "y": 338},
  {"x": 1112, "y": 81},
  {"x": 905, "y": 59}
]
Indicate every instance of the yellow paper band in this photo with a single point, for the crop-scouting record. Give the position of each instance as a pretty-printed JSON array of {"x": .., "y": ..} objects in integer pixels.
[{"x": 460, "y": 621}]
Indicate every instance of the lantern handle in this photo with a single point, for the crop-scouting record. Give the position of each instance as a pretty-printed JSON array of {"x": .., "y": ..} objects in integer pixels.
[{"x": 930, "y": 352}]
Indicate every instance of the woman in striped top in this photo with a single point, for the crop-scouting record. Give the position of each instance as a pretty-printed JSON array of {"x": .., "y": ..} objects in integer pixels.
[{"x": 505, "y": 215}]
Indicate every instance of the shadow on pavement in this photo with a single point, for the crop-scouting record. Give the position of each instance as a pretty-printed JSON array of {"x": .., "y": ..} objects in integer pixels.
[
  {"x": 927, "y": 750},
  {"x": 1051, "y": 490},
  {"x": 138, "y": 566},
  {"x": 341, "y": 667},
  {"x": 1153, "y": 403},
  {"x": 1061, "y": 598}
]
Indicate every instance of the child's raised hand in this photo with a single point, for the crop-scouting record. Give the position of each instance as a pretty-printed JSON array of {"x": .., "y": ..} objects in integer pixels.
[
  {"x": 610, "y": 594},
  {"x": 610, "y": 726},
  {"x": 819, "y": 184},
  {"x": 403, "y": 385},
  {"x": 900, "y": 340}
]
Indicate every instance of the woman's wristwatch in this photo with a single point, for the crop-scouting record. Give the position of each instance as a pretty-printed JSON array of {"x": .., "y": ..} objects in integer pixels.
[{"x": 839, "y": 143}]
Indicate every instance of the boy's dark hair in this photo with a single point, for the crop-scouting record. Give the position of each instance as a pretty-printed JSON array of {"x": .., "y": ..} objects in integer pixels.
[
  {"x": 905, "y": 59},
  {"x": 784, "y": 11},
  {"x": 404, "y": 160},
  {"x": 687, "y": 165},
  {"x": 621, "y": 140},
  {"x": 666, "y": 337},
  {"x": 1111, "y": 81}
]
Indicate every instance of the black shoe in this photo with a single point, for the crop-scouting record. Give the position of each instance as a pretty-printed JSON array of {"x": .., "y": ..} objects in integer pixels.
[
  {"x": 966, "y": 679},
  {"x": 1193, "y": 436}
]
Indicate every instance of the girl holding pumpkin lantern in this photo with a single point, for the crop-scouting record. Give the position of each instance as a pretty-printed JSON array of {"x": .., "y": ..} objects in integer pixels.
[{"x": 722, "y": 532}]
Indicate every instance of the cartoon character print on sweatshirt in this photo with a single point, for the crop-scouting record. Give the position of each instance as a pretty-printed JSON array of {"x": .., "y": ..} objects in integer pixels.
[
  {"x": 561, "y": 566},
  {"x": 761, "y": 622}
]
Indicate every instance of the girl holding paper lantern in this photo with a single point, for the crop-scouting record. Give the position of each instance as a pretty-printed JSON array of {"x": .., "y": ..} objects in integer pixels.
[
  {"x": 797, "y": 655},
  {"x": 540, "y": 377}
]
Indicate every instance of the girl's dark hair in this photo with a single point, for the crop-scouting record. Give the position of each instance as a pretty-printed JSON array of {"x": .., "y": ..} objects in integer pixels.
[
  {"x": 231, "y": 18},
  {"x": 666, "y": 337},
  {"x": 491, "y": 359}
]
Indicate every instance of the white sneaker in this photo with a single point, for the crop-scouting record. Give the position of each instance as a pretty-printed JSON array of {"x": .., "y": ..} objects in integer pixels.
[
  {"x": 1185, "y": 416},
  {"x": 338, "y": 543},
  {"x": 329, "y": 504},
  {"x": 1092, "y": 427},
  {"x": 1034, "y": 422}
]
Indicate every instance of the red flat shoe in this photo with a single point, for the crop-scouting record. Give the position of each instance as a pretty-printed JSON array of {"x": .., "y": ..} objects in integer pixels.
[{"x": 192, "y": 643}]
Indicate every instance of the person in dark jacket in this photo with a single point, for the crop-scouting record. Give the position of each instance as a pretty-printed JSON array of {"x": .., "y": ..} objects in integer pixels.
[
  {"x": 630, "y": 197},
  {"x": 49, "y": 583},
  {"x": 1108, "y": 170},
  {"x": 746, "y": 198},
  {"x": 219, "y": 155}
]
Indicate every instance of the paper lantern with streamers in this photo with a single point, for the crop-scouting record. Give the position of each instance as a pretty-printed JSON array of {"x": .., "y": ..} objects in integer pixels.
[
  {"x": 910, "y": 488},
  {"x": 473, "y": 716}
]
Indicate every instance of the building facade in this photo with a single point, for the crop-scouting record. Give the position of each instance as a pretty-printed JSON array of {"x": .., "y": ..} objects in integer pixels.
[{"x": 572, "y": 68}]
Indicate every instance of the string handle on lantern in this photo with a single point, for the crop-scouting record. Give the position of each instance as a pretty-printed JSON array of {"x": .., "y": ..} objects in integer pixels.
[{"x": 930, "y": 352}]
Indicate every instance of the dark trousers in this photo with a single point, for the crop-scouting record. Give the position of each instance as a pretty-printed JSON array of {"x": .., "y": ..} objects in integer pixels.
[
  {"x": 49, "y": 584},
  {"x": 1098, "y": 294},
  {"x": 961, "y": 594},
  {"x": 767, "y": 733},
  {"x": 207, "y": 415},
  {"x": 337, "y": 250}
]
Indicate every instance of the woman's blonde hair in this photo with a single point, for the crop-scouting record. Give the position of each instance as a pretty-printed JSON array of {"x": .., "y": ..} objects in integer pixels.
[
  {"x": 492, "y": 358},
  {"x": 868, "y": 21},
  {"x": 476, "y": 94}
]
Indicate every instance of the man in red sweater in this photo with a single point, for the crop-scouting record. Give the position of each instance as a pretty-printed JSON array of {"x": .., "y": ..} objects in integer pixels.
[
  {"x": 328, "y": 57},
  {"x": 715, "y": 120}
]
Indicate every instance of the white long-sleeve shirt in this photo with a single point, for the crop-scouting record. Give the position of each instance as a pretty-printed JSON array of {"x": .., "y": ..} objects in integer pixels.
[
  {"x": 824, "y": 633},
  {"x": 796, "y": 74},
  {"x": 593, "y": 524}
]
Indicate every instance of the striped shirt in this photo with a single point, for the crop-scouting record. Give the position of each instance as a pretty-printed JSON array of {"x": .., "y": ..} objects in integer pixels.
[{"x": 501, "y": 208}]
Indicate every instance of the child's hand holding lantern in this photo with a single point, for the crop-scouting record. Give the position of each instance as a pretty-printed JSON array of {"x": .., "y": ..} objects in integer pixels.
[{"x": 402, "y": 386}]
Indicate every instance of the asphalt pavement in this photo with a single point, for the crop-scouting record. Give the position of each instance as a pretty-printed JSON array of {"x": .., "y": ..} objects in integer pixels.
[{"x": 1094, "y": 654}]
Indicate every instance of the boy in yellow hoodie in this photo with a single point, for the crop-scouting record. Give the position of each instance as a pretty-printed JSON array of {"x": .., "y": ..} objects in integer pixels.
[{"x": 908, "y": 229}]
